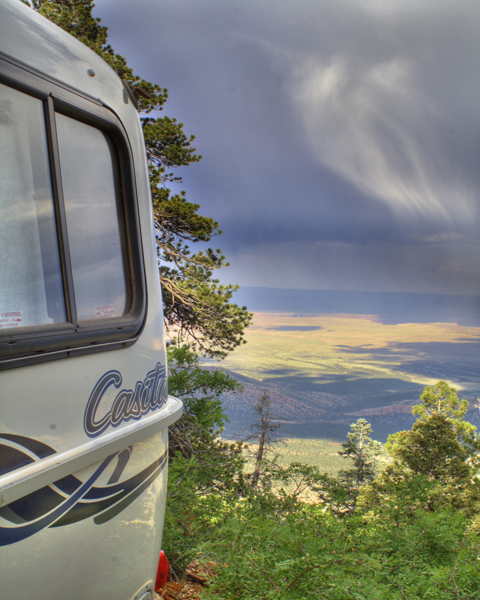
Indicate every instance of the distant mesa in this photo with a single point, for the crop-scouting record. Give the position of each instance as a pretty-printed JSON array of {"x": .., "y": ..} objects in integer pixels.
[
  {"x": 389, "y": 308},
  {"x": 383, "y": 410},
  {"x": 380, "y": 411}
]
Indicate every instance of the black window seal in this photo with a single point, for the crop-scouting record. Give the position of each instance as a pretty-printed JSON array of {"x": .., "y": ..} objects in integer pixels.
[
  {"x": 59, "y": 204},
  {"x": 29, "y": 345}
]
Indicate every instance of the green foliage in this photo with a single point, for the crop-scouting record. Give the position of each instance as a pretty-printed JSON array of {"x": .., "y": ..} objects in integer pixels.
[
  {"x": 433, "y": 449},
  {"x": 411, "y": 535},
  {"x": 281, "y": 491},
  {"x": 363, "y": 452},
  {"x": 216, "y": 464},
  {"x": 442, "y": 400},
  {"x": 441, "y": 446},
  {"x": 205, "y": 472},
  {"x": 309, "y": 553},
  {"x": 199, "y": 388},
  {"x": 195, "y": 304},
  {"x": 266, "y": 431}
]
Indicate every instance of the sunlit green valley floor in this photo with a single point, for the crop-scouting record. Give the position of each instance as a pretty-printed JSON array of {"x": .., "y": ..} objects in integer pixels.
[
  {"x": 338, "y": 350},
  {"x": 324, "y": 372}
]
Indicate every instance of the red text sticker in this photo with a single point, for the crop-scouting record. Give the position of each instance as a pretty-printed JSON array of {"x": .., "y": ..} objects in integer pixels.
[
  {"x": 10, "y": 319},
  {"x": 105, "y": 311}
]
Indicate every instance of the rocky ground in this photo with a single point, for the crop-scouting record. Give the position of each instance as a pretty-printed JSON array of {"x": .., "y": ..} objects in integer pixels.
[{"x": 189, "y": 587}]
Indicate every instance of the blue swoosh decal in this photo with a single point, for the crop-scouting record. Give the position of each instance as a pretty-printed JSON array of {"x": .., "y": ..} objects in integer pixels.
[{"x": 10, "y": 535}]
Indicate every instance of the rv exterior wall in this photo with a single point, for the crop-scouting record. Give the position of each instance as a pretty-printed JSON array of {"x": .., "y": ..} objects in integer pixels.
[{"x": 81, "y": 512}]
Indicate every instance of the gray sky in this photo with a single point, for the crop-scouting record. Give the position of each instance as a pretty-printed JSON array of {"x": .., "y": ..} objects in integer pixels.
[{"x": 341, "y": 138}]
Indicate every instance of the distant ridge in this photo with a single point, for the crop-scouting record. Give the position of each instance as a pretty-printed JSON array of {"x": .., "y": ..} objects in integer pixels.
[{"x": 389, "y": 307}]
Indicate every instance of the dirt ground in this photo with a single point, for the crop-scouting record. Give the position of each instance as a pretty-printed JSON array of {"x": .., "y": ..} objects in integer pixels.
[{"x": 196, "y": 577}]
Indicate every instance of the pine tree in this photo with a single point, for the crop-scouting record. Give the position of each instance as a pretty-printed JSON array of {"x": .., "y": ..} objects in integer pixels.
[
  {"x": 196, "y": 435},
  {"x": 195, "y": 304},
  {"x": 441, "y": 445},
  {"x": 363, "y": 451},
  {"x": 266, "y": 430}
]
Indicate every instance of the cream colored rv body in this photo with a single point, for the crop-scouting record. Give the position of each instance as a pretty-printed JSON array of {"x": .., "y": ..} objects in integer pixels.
[{"x": 84, "y": 407}]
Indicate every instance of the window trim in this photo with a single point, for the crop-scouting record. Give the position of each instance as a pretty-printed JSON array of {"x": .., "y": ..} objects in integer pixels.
[{"x": 39, "y": 343}]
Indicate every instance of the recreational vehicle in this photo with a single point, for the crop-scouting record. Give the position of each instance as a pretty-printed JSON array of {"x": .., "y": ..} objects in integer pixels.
[{"x": 84, "y": 407}]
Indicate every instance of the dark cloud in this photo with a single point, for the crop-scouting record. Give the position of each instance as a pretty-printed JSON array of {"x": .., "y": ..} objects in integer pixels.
[{"x": 340, "y": 139}]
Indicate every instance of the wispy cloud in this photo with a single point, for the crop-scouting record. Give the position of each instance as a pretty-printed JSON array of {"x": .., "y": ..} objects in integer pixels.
[
  {"x": 453, "y": 268},
  {"x": 372, "y": 124},
  {"x": 340, "y": 138}
]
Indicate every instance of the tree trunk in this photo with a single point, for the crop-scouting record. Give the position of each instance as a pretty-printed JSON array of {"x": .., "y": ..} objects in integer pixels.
[{"x": 258, "y": 462}]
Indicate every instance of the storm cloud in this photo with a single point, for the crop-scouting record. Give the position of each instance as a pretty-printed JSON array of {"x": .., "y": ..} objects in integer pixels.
[{"x": 340, "y": 139}]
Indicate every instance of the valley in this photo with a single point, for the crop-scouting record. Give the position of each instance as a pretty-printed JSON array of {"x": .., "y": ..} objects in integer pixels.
[{"x": 325, "y": 371}]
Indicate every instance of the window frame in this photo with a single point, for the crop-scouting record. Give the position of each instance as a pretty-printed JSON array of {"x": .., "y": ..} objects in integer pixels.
[{"x": 39, "y": 343}]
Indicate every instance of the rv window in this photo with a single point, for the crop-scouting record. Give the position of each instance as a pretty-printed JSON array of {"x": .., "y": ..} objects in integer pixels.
[
  {"x": 90, "y": 189},
  {"x": 71, "y": 264},
  {"x": 31, "y": 289}
]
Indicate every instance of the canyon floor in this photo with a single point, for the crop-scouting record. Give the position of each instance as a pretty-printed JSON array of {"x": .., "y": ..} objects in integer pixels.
[{"x": 323, "y": 372}]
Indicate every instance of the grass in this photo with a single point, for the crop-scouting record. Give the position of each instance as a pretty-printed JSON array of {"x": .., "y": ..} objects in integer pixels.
[
  {"x": 318, "y": 453},
  {"x": 321, "y": 453}
]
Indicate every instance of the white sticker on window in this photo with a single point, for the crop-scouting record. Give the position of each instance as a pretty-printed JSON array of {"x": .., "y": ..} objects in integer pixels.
[
  {"x": 105, "y": 311},
  {"x": 10, "y": 319}
]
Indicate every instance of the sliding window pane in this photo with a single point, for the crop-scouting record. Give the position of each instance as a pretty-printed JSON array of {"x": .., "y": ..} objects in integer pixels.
[
  {"x": 31, "y": 288},
  {"x": 90, "y": 189}
]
